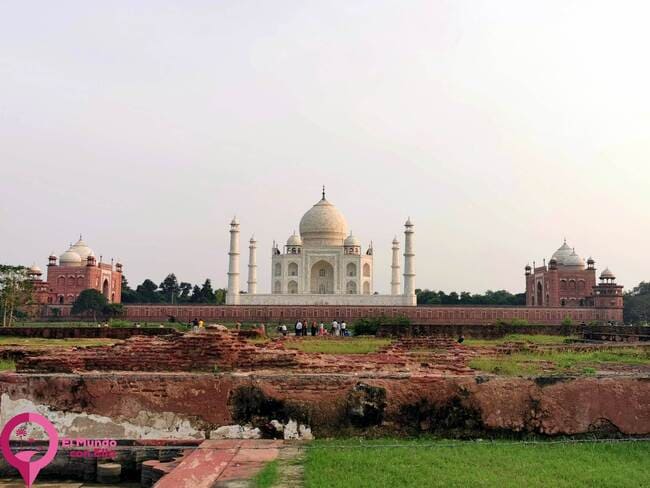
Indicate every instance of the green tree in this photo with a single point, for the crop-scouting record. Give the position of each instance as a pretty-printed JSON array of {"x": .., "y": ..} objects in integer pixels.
[
  {"x": 186, "y": 291},
  {"x": 170, "y": 289},
  {"x": 636, "y": 304},
  {"x": 196, "y": 295},
  {"x": 113, "y": 310},
  {"x": 128, "y": 294},
  {"x": 220, "y": 295},
  {"x": 147, "y": 292},
  {"x": 15, "y": 292},
  {"x": 207, "y": 293},
  {"x": 89, "y": 301}
]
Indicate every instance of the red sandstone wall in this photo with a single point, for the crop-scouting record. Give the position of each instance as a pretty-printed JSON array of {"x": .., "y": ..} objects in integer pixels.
[
  {"x": 420, "y": 315},
  {"x": 69, "y": 281}
]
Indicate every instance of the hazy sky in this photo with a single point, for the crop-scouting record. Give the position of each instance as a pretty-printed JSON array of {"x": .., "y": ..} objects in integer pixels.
[{"x": 499, "y": 126}]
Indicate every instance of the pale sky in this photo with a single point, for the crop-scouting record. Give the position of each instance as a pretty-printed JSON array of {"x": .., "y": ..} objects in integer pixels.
[{"x": 499, "y": 127}]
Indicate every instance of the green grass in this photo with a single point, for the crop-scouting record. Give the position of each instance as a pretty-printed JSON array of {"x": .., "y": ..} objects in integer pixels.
[
  {"x": 268, "y": 476},
  {"x": 419, "y": 463},
  {"x": 38, "y": 342},
  {"x": 530, "y": 339},
  {"x": 347, "y": 345},
  {"x": 560, "y": 362},
  {"x": 7, "y": 365}
]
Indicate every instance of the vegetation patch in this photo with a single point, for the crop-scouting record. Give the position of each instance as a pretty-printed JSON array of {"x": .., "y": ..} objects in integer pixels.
[
  {"x": 344, "y": 345},
  {"x": 268, "y": 476},
  {"x": 500, "y": 464},
  {"x": 527, "y": 338},
  {"x": 529, "y": 363},
  {"x": 38, "y": 342},
  {"x": 7, "y": 365}
]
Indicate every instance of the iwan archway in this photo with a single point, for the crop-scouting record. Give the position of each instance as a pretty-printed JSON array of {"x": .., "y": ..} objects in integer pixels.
[{"x": 322, "y": 278}]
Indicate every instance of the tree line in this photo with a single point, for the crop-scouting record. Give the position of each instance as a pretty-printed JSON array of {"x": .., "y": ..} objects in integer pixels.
[
  {"x": 499, "y": 297},
  {"x": 15, "y": 292},
  {"x": 172, "y": 292},
  {"x": 636, "y": 304}
]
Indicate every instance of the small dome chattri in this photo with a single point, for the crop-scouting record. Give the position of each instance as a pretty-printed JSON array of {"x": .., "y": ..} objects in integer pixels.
[
  {"x": 35, "y": 270},
  {"x": 294, "y": 240},
  {"x": 351, "y": 241},
  {"x": 607, "y": 274}
]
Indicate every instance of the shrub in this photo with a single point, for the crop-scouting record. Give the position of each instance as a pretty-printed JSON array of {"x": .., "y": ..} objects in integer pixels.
[
  {"x": 113, "y": 310},
  {"x": 119, "y": 323},
  {"x": 370, "y": 326},
  {"x": 567, "y": 321},
  {"x": 519, "y": 322},
  {"x": 515, "y": 322}
]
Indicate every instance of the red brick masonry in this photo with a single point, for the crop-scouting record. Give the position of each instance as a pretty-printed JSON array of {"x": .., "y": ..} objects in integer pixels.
[{"x": 421, "y": 315}]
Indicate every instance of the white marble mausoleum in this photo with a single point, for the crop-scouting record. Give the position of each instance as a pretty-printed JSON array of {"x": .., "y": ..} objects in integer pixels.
[{"x": 324, "y": 264}]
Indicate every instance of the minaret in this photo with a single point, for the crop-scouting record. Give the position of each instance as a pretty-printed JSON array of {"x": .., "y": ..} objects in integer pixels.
[
  {"x": 409, "y": 260},
  {"x": 394, "y": 282},
  {"x": 232, "y": 297},
  {"x": 252, "y": 267}
]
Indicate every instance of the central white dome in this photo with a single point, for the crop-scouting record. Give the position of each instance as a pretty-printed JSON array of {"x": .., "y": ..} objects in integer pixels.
[{"x": 323, "y": 224}]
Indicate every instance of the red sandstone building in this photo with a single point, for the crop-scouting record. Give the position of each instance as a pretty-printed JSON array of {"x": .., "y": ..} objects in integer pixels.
[
  {"x": 568, "y": 282},
  {"x": 76, "y": 271}
]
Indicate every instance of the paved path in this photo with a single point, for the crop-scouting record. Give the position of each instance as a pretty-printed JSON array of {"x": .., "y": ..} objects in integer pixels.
[{"x": 223, "y": 463}]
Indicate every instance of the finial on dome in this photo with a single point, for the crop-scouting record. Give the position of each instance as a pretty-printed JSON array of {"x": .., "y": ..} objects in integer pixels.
[{"x": 323, "y": 192}]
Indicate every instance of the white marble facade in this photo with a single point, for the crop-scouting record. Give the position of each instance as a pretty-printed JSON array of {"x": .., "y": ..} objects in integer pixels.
[{"x": 322, "y": 265}]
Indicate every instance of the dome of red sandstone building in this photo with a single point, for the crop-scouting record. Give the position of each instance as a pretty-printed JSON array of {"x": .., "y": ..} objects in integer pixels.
[
  {"x": 82, "y": 249},
  {"x": 70, "y": 258}
]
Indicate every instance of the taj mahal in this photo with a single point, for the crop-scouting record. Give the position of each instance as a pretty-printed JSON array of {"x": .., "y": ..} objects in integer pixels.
[{"x": 322, "y": 265}]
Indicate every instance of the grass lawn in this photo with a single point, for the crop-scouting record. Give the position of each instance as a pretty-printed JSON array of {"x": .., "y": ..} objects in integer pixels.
[
  {"x": 419, "y": 463},
  {"x": 347, "y": 345},
  {"x": 268, "y": 476},
  {"x": 40, "y": 342},
  {"x": 7, "y": 365},
  {"x": 530, "y": 339},
  {"x": 562, "y": 362}
]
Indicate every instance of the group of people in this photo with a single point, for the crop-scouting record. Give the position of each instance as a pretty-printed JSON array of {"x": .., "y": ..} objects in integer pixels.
[{"x": 303, "y": 328}]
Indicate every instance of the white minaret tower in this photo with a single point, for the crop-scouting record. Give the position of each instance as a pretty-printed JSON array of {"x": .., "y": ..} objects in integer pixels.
[
  {"x": 252, "y": 266},
  {"x": 394, "y": 282},
  {"x": 232, "y": 297},
  {"x": 409, "y": 260}
]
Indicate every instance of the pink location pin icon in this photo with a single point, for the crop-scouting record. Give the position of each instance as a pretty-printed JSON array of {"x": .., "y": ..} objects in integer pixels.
[{"x": 29, "y": 469}]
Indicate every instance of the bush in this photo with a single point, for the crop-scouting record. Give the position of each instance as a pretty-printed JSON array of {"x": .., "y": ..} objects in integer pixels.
[
  {"x": 370, "y": 326},
  {"x": 113, "y": 310},
  {"x": 119, "y": 323},
  {"x": 567, "y": 321},
  {"x": 515, "y": 322}
]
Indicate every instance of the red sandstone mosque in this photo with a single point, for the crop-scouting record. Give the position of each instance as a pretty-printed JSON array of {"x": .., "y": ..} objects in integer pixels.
[
  {"x": 568, "y": 282},
  {"x": 77, "y": 270}
]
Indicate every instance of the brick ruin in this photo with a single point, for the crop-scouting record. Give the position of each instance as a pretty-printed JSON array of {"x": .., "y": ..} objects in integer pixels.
[
  {"x": 217, "y": 350},
  {"x": 184, "y": 389}
]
